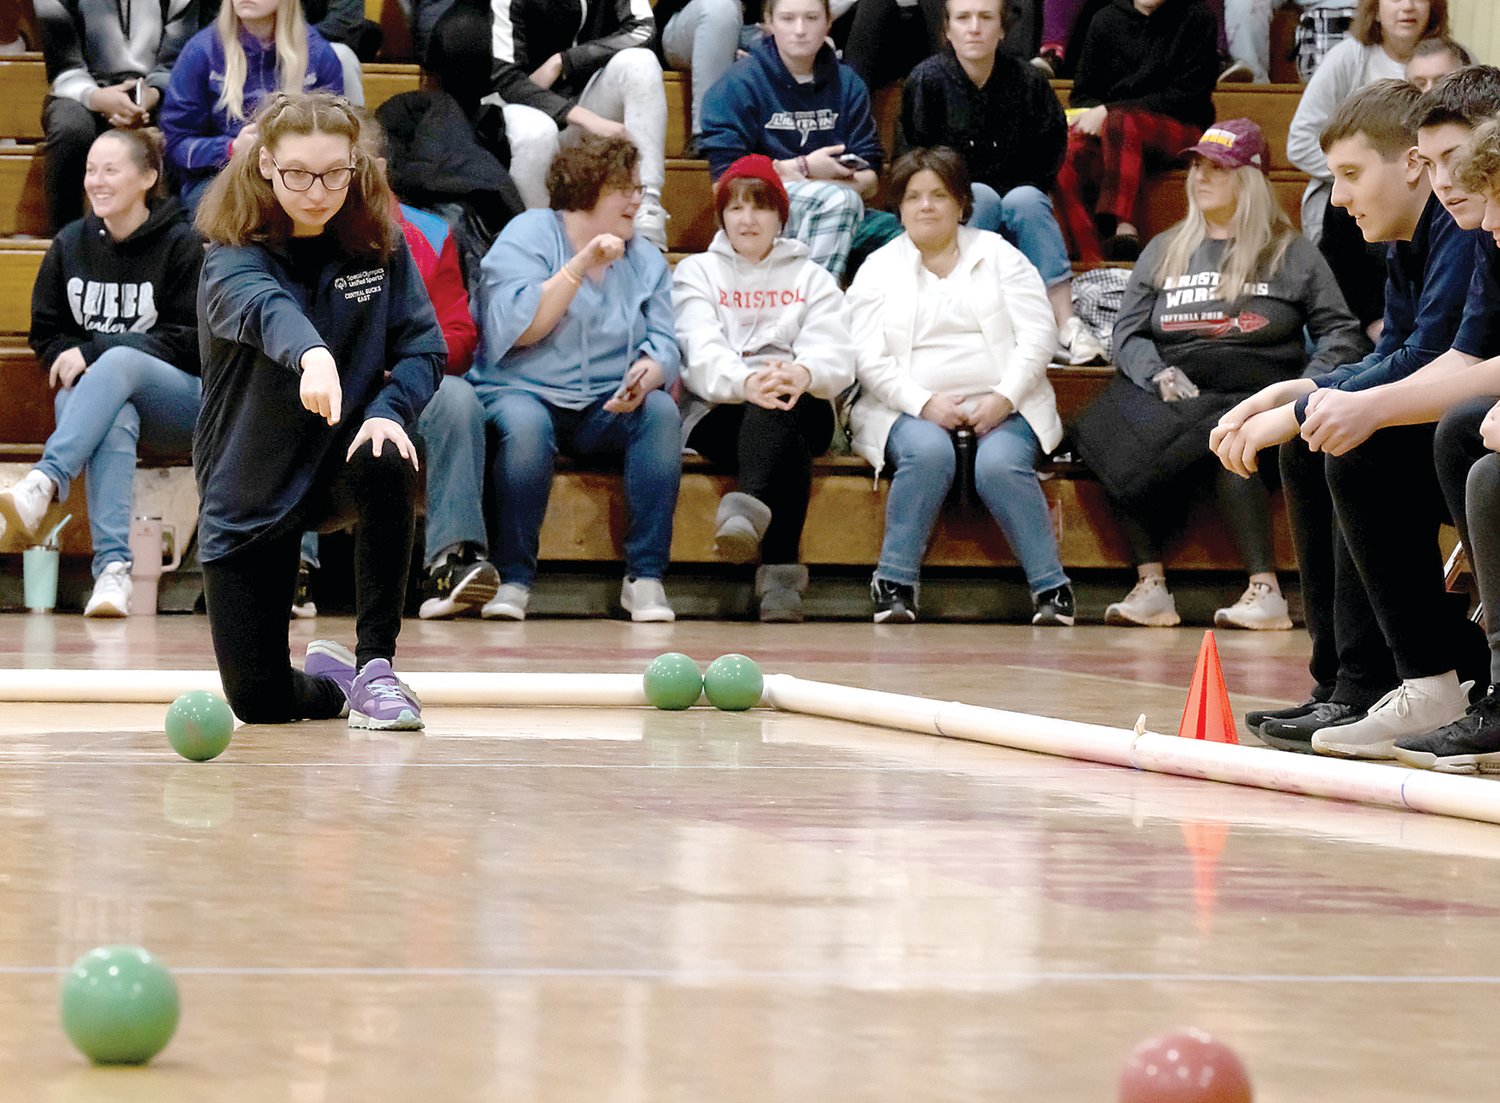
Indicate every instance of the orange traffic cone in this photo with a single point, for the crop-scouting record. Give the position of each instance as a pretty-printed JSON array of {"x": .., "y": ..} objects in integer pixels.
[{"x": 1208, "y": 715}]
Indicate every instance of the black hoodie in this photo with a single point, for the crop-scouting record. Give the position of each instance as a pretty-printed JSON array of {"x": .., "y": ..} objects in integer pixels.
[
  {"x": 93, "y": 292},
  {"x": 1166, "y": 62}
]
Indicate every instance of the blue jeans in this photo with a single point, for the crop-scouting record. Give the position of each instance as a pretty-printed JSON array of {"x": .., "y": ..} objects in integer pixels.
[
  {"x": 921, "y": 454},
  {"x": 532, "y": 432},
  {"x": 1024, "y": 216},
  {"x": 125, "y": 398}
]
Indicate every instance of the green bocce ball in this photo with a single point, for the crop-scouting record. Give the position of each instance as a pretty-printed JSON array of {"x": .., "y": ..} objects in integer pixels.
[
  {"x": 199, "y": 725},
  {"x": 119, "y": 1005},
  {"x": 673, "y": 681},
  {"x": 733, "y": 683}
]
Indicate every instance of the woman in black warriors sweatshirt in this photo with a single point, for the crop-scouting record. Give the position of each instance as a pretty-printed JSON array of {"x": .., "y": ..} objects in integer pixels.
[
  {"x": 113, "y": 323},
  {"x": 320, "y": 349},
  {"x": 1144, "y": 85}
]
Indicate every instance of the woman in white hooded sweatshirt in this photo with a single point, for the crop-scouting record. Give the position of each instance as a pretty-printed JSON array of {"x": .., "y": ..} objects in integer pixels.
[
  {"x": 766, "y": 348},
  {"x": 953, "y": 334}
]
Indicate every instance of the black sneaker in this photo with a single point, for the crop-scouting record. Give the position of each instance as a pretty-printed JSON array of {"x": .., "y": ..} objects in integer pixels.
[
  {"x": 1296, "y": 735},
  {"x": 302, "y": 602},
  {"x": 894, "y": 603},
  {"x": 457, "y": 585},
  {"x": 1125, "y": 248},
  {"x": 1469, "y": 745},
  {"x": 1256, "y": 718},
  {"x": 1054, "y": 607}
]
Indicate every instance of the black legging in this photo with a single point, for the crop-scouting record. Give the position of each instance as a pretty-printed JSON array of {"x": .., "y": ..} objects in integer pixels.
[
  {"x": 1244, "y": 503},
  {"x": 249, "y": 591},
  {"x": 772, "y": 452}
]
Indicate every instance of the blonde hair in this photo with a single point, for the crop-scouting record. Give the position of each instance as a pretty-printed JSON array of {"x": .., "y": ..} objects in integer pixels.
[
  {"x": 1259, "y": 237},
  {"x": 291, "y": 53},
  {"x": 241, "y": 208}
]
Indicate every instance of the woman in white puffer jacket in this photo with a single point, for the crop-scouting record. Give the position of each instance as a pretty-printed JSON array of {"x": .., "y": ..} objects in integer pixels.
[
  {"x": 766, "y": 348},
  {"x": 954, "y": 334}
]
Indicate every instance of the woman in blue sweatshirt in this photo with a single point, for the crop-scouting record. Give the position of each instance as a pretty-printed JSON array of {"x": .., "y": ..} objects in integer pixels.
[
  {"x": 320, "y": 350},
  {"x": 223, "y": 74},
  {"x": 578, "y": 345}
]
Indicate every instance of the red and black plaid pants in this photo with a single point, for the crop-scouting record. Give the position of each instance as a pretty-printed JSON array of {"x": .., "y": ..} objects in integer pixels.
[{"x": 1111, "y": 165}]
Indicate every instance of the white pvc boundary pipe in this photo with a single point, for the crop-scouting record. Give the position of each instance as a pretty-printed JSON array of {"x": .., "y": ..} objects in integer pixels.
[{"x": 1359, "y": 782}]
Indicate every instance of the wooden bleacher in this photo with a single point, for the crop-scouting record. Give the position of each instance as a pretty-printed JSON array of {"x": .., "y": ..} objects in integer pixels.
[{"x": 585, "y": 519}]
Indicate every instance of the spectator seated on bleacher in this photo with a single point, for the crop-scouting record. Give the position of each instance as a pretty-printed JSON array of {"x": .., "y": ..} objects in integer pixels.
[
  {"x": 1378, "y": 46},
  {"x": 704, "y": 37},
  {"x": 108, "y": 66},
  {"x": 794, "y": 101},
  {"x": 1217, "y": 307},
  {"x": 1002, "y": 118},
  {"x": 765, "y": 351},
  {"x": 584, "y": 65},
  {"x": 953, "y": 335},
  {"x": 1432, "y": 59},
  {"x": 1143, "y": 93},
  {"x": 114, "y": 323},
  {"x": 578, "y": 348},
  {"x": 224, "y": 74},
  {"x": 343, "y": 25}
]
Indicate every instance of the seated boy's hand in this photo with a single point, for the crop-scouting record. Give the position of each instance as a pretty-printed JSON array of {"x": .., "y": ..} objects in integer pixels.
[
  {"x": 1489, "y": 429},
  {"x": 1240, "y": 451},
  {"x": 379, "y": 430},
  {"x": 1338, "y": 421}
]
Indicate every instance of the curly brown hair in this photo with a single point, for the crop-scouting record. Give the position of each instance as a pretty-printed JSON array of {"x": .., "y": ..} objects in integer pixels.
[
  {"x": 1476, "y": 167},
  {"x": 588, "y": 166},
  {"x": 240, "y": 207},
  {"x": 946, "y": 164}
]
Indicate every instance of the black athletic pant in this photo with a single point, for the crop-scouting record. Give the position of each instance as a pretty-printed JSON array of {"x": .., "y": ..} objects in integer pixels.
[
  {"x": 1470, "y": 476},
  {"x": 1351, "y": 663},
  {"x": 249, "y": 591},
  {"x": 1389, "y": 506},
  {"x": 69, "y": 129},
  {"x": 1244, "y": 504},
  {"x": 772, "y": 452},
  {"x": 886, "y": 41}
]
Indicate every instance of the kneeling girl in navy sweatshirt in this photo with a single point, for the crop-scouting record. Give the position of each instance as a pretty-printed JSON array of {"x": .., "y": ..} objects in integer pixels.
[{"x": 320, "y": 349}]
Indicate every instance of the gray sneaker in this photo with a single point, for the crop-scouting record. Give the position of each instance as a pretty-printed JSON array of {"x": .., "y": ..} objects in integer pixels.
[
  {"x": 1259, "y": 608},
  {"x": 645, "y": 600},
  {"x": 1148, "y": 605},
  {"x": 509, "y": 603}
]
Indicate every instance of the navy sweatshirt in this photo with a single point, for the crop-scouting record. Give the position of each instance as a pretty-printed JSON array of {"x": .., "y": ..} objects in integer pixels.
[
  {"x": 93, "y": 292},
  {"x": 759, "y": 107},
  {"x": 258, "y": 454}
]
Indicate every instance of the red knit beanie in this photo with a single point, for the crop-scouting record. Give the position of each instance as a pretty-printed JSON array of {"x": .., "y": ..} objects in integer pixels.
[{"x": 754, "y": 166}]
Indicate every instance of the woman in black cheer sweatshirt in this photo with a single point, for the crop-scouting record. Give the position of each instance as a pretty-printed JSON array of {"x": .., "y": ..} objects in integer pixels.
[{"x": 320, "y": 349}]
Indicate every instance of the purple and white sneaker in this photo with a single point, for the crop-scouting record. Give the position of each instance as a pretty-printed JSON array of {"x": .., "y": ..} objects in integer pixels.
[
  {"x": 332, "y": 660},
  {"x": 380, "y": 701}
]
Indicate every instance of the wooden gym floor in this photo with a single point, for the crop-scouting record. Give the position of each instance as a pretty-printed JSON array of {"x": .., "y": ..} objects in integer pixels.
[{"x": 626, "y": 905}]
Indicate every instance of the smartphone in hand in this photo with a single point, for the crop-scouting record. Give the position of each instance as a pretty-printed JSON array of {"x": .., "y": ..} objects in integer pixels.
[{"x": 853, "y": 161}]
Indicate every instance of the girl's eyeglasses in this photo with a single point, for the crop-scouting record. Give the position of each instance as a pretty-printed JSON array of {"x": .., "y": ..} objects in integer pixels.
[{"x": 335, "y": 179}]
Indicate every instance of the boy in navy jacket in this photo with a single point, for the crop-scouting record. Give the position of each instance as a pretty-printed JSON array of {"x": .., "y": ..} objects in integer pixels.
[{"x": 1388, "y": 648}]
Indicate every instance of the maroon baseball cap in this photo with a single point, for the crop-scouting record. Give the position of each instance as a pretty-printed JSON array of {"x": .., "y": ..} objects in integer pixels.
[{"x": 1233, "y": 144}]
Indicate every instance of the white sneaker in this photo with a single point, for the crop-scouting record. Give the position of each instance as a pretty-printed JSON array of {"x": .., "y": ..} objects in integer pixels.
[
  {"x": 645, "y": 600},
  {"x": 1415, "y": 707},
  {"x": 23, "y": 505},
  {"x": 1259, "y": 608},
  {"x": 1149, "y": 605},
  {"x": 111, "y": 596},
  {"x": 1076, "y": 344},
  {"x": 509, "y": 603},
  {"x": 651, "y": 223}
]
